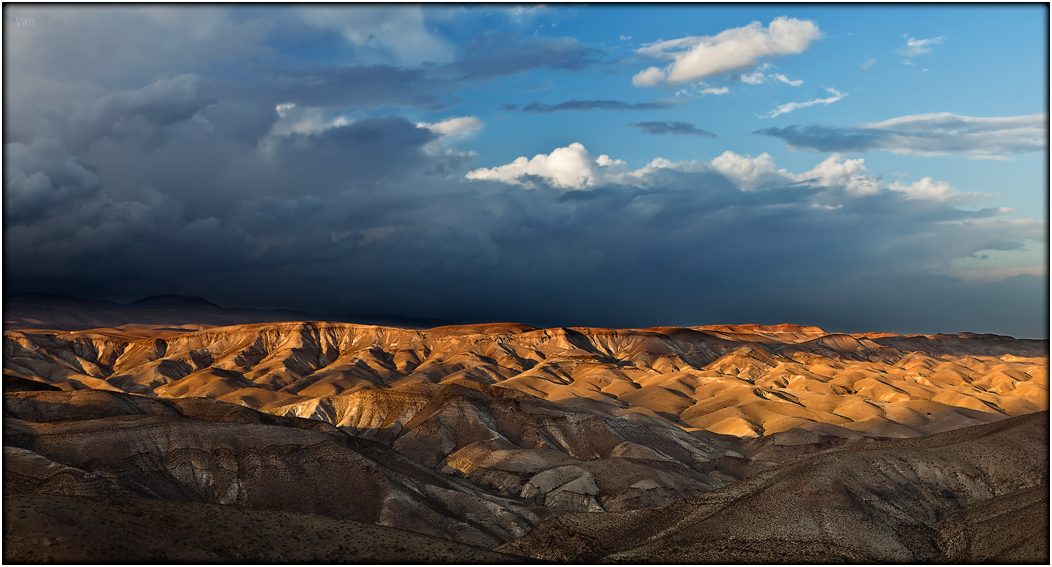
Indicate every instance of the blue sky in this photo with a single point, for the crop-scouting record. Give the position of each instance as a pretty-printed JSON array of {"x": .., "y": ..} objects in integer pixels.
[{"x": 876, "y": 167}]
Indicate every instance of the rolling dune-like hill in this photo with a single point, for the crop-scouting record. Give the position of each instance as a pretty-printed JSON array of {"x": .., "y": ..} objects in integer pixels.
[{"x": 745, "y": 381}]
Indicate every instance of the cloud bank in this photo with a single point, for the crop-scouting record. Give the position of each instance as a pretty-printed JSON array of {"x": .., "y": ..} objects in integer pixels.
[
  {"x": 349, "y": 219},
  {"x": 925, "y": 135},
  {"x": 574, "y": 168}
]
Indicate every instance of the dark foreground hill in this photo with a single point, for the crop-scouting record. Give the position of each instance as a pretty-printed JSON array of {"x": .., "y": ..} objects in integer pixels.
[
  {"x": 978, "y": 494},
  {"x": 87, "y": 473},
  {"x": 75, "y": 529},
  {"x": 102, "y": 444}
]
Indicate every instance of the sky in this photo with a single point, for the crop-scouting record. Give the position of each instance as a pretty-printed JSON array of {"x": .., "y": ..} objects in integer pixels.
[{"x": 856, "y": 167}]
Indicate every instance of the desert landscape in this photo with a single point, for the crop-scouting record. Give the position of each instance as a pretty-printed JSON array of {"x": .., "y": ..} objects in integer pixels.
[
  {"x": 448, "y": 283},
  {"x": 502, "y": 442}
]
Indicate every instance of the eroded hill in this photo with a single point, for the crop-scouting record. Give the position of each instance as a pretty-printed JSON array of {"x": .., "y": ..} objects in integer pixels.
[
  {"x": 479, "y": 433},
  {"x": 745, "y": 381},
  {"x": 978, "y": 494}
]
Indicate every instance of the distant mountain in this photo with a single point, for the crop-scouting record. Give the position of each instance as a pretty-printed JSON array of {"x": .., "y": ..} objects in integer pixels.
[
  {"x": 68, "y": 313},
  {"x": 173, "y": 301}
]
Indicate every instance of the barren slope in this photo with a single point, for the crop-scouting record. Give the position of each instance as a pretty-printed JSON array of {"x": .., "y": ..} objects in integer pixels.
[
  {"x": 71, "y": 529},
  {"x": 974, "y": 494},
  {"x": 744, "y": 381},
  {"x": 109, "y": 444},
  {"x": 478, "y": 433},
  {"x": 494, "y": 459}
]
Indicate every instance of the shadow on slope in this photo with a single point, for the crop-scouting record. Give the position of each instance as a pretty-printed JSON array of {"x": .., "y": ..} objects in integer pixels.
[
  {"x": 109, "y": 444},
  {"x": 77, "y": 529},
  {"x": 928, "y": 499}
]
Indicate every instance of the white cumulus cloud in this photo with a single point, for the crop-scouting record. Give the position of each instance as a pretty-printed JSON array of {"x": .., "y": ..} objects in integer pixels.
[
  {"x": 849, "y": 174},
  {"x": 749, "y": 172},
  {"x": 574, "y": 168},
  {"x": 695, "y": 58},
  {"x": 571, "y": 167}
]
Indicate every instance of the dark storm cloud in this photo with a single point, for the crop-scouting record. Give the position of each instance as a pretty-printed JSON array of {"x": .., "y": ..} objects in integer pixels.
[
  {"x": 658, "y": 128},
  {"x": 212, "y": 167},
  {"x": 41, "y": 175},
  {"x": 1016, "y": 306},
  {"x": 691, "y": 249},
  {"x": 487, "y": 57},
  {"x": 114, "y": 43},
  {"x": 497, "y": 54},
  {"x": 146, "y": 182},
  {"x": 596, "y": 105},
  {"x": 142, "y": 111},
  {"x": 370, "y": 87},
  {"x": 366, "y": 149},
  {"x": 76, "y": 54}
]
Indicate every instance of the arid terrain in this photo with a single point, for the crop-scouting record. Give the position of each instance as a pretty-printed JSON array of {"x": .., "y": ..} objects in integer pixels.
[{"x": 503, "y": 442}]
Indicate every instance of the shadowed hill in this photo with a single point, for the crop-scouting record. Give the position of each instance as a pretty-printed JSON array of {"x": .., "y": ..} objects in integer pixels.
[
  {"x": 517, "y": 457},
  {"x": 108, "y": 444},
  {"x": 974, "y": 494},
  {"x": 76, "y": 529}
]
